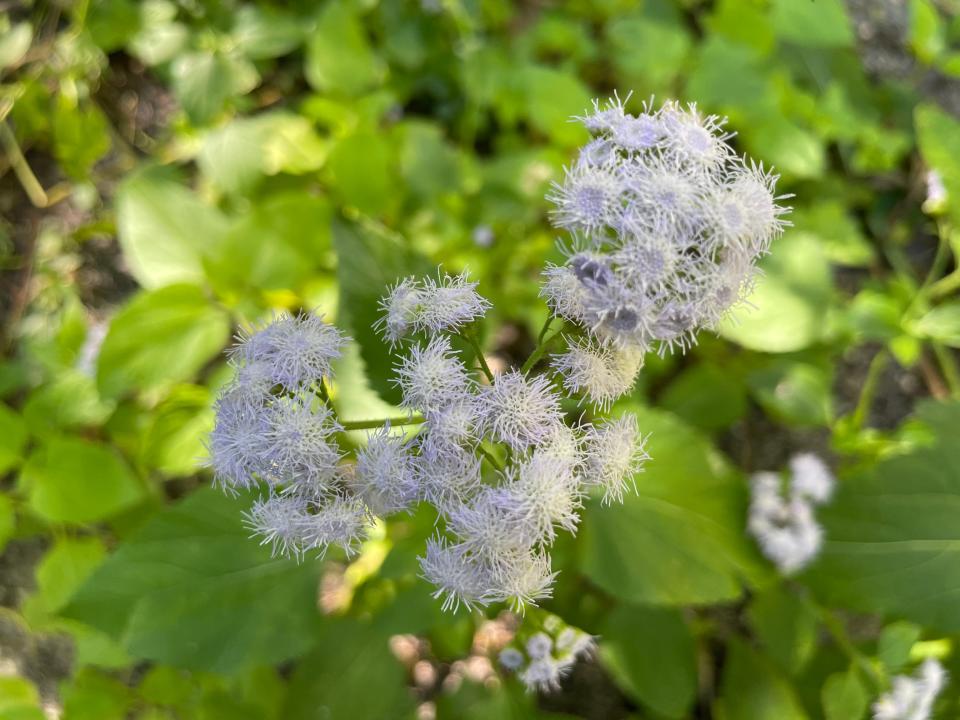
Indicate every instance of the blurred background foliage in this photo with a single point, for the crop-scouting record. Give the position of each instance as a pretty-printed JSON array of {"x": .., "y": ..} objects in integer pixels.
[{"x": 173, "y": 169}]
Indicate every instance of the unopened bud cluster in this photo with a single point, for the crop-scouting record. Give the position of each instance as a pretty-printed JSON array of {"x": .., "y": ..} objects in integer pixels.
[
  {"x": 667, "y": 225},
  {"x": 542, "y": 656},
  {"x": 782, "y": 519}
]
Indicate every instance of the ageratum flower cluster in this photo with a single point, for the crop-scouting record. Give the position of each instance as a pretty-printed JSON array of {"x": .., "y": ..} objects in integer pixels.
[
  {"x": 273, "y": 430},
  {"x": 667, "y": 224},
  {"x": 912, "y": 697},
  {"x": 496, "y": 459}
]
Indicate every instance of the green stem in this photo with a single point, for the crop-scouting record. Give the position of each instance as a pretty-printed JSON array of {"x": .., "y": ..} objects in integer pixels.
[
  {"x": 490, "y": 458},
  {"x": 840, "y": 636},
  {"x": 31, "y": 186},
  {"x": 945, "y": 285},
  {"x": 370, "y": 424},
  {"x": 543, "y": 330},
  {"x": 877, "y": 366},
  {"x": 538, "y": 352},
  {"x": 478, "y": 351},
  {"x": 948, "y": 365}
]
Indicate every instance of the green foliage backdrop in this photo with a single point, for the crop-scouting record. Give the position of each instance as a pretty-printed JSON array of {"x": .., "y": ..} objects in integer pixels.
[{"x": 174, "y": 169}]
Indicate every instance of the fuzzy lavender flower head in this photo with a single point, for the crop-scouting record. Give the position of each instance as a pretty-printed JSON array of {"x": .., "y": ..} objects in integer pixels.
[
  {"x": 384, "y": 473},
  {"x": 615, "y": 454},
  {"x": 445, "y": 304},
  {"x": 602, "y": 372},
  {"x": 431, "y": 376},
  {"x": 297, "y": 349},
  {"x": 520, "y": 411},
  {"x": 273, "y": 432},
  {"x": 667, "y": 225}
]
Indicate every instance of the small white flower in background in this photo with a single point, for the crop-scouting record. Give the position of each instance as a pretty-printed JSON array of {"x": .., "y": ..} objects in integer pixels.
[
  {"x": 601, "y": 372},
  {"x": 539, "y": 646},
  {"x": 511, "y": 658},
  {"x": 811, "y": 478},
  {"x": 912, "y": 697},
  {"x": 936, "y": 201},
  {"x": 781, "y": 517},
  {"x": 482, "y": 236},
  {"x": 668, "y": 224}
]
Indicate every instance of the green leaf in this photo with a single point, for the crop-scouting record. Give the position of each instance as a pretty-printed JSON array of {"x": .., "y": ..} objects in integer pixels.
[
  {"x": 731, "y": 76},
  {"x": 645, "y": 51},
  {"x": 552, "y": 99},
  {"x": 753, "y": 690},
  {"x": 161, "y": 337},
  {"x": 892, "y": 536},
  {"x": 17, "y": 697},
  {"x": 164, "y": 229},
  {"x": 174, "y": 441},
  {"x": 706, "y": 396},
  {"x": 364, "y": 172},
  {"x": 80, "y": 137},
  {"x": 76, "y": 481},
  {"x": 942, "y": 323},
  {"x": 8, "y": 520},
  {"x": 192, "y": 589},
  {"x": 927, "y": 38},
  {"x": 895, "y": 642},
  {"x": 339, "y": 59},
  {"x": 278, "y": 245},
  {"x": 70, "y": 400},
  {"x": 204, "y": 81},
  {"x": 791, "y": 149},
  {"x": 335, "y": 681},
  {"x": 793, "y": 392},
  {"x": 785, "y": 625},
  {"x": 93, "y": 695},
  {"x": 159, "y": 38},
  {"x": 13, "y": 438},
  {"x": 65, "y": 567},
  {"x": 429, "y": 165},
  {"x": 688, "y": 517},
  {"x": 790, "y": 300},
  {"x": 938, "y": 135},
  {"x": 239, "y": 155},
  {"x": 814, "y": 23},
  {"x": 665, "y": 680},
  {"x": 844, "y": 697},
  {"x": 367, "y": 266},
  {"x": 262, "y": 32}
]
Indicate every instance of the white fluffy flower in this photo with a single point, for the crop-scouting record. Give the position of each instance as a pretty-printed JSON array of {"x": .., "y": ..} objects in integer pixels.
[
  {"x": 445, "y": 304},
  {"x": 458, "y": 578},
  {"x": 280, "y": 521},
  {"x": 384, "y": 475},
  {"x": 811, "y": 478},
  {"x": 343, "y": 521},
  {"x": 614, "y": 455},
  {"x": 297, "y": 350},
  {"x": 521, "y": 578},
  {"x": 912, "y": 698},
  {"x": 400, "y": 310},
  {"x": 448, "y": 479},
  {"x": 299, "y": 448},
  {"x": 432, "y": 376},
  {"x": 543, "y": 675},
  {"x": 520, "y": 411},
  {"x": 543, "y": 494},
  {"x": 453, "y": 426},
  {"x": 602, "y": 372}
]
